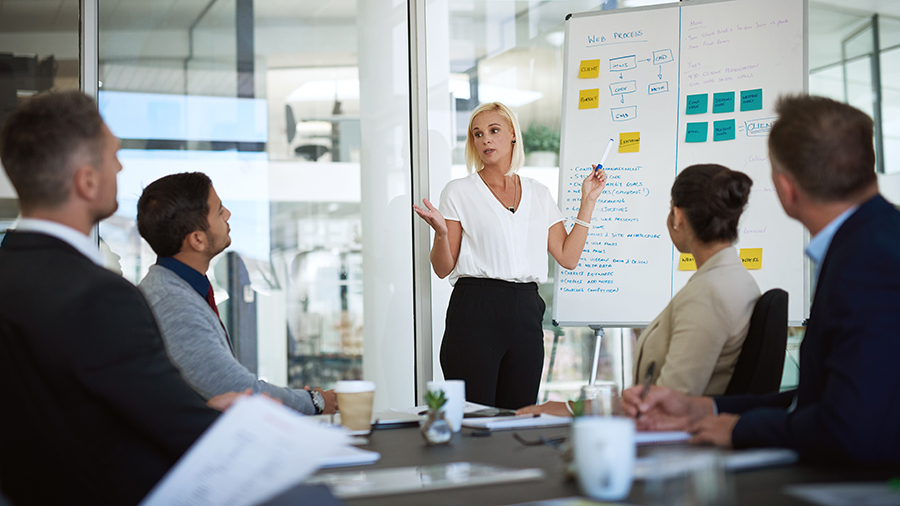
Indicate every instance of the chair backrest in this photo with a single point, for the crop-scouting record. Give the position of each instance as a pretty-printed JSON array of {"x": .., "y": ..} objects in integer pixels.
[{"x": 761, "y": 362}]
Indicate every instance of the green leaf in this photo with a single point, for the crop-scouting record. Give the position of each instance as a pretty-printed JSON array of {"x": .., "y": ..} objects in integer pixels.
[
  {"x": 435, "y": 399},
  {"x": 540, "y": 138}
]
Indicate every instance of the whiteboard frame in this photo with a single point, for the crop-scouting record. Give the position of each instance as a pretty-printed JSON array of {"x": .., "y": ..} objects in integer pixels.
[{"x": 807, "y": 266}]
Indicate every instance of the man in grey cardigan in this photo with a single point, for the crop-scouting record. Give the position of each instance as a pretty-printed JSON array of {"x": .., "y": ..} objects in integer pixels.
[{"x": 184, "y": 221}]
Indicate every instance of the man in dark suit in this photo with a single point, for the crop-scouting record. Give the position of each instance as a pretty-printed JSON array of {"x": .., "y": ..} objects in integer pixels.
[
  {"x": 846, "y": 407},
  {"x": 93, "y": 411}
]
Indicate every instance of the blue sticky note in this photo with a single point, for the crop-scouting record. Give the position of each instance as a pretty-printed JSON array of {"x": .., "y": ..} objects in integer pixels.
[
  {"x": 697, "y": 104},
  {"x": 751, "y": 100},
  {"x": 723, "y": 130},
  {"x": 723, "y": 102},
  {"x": 696, "y": 132}
]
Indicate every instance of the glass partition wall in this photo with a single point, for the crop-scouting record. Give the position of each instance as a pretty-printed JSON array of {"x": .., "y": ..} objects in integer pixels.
[
  {"x": 853, "y": 58},
  {"x": 38, "y": 53},
  {"x": 299, "y": 113}
]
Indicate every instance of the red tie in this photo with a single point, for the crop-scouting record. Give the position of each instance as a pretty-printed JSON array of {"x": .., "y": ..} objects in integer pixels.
[{"x": 211, "y": 300}]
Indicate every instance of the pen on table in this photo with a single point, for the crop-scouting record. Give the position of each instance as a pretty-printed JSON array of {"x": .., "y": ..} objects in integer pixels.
[
  {"x": 609, "y": 146},
  {"x": 648, "y": 378}
]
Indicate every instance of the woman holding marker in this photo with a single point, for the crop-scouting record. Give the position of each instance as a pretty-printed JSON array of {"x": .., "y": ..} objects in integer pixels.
[
  {"x": 492, "y": 235},
  {"x": 696, "y": 340},
  {"x": 609, "y": 146}
]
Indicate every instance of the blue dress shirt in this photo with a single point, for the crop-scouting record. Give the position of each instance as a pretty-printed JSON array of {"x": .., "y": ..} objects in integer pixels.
[
  {"x": 194, "y": 278},
  {"x": 818, "y": 245}
]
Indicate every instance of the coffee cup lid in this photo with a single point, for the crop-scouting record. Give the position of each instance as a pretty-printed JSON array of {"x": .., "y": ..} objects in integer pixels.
[{"x": 352, "y": 387}]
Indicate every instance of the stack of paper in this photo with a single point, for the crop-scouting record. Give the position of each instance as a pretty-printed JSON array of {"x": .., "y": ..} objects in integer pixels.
[{"x": 254, "y": 451}]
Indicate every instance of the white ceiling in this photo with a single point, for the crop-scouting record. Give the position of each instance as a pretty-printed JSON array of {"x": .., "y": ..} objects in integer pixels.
[
  {"x": 38, "y": 15},
  {"x": 62, "y": 15},
  {"x": 830, "y": 20},
  {"x": 862, "y": 7},
  {"x": 54, "y": 15}
]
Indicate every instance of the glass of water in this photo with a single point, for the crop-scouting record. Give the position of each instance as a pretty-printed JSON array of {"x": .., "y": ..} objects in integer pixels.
[
  {"x": 601, "y": 399},
  {"x": 687, "y": 477}
]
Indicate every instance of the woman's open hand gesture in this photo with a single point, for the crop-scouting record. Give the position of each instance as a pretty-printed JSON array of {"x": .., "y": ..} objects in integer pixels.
[{"x": 432, "y": 216}]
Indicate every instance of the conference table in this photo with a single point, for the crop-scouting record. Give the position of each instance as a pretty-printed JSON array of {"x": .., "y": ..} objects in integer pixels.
[{"x": 405, "y": 447}]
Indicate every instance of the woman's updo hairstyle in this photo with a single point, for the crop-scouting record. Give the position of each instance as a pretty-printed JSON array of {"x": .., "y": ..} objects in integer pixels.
[{"x": 713, "y": 198}]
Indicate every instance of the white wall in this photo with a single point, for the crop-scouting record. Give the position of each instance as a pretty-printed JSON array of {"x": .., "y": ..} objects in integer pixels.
[{"x": 890, "y": 187}]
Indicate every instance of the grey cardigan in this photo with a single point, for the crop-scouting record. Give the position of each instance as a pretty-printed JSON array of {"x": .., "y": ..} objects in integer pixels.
[{"x": 197, "y": 345}]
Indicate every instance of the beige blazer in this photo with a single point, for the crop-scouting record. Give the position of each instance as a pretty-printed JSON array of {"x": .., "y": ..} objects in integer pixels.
[{"x": 697, "y": 338}]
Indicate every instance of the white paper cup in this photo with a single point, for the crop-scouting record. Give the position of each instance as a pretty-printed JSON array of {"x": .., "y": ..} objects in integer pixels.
[
  {"x": 604, "y": 453},
  {"x": 355, "y": 403},
  {"x": 455, "y": 391}
]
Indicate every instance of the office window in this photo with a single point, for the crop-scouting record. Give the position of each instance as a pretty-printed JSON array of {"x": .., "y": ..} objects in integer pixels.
[
  {"x": 299, "y": 113},
  {"x": 853, "y": 58},
  {"x": 38, "y": 52}
]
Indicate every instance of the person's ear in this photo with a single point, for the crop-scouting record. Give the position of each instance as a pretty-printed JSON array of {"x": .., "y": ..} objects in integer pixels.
[
  {"x": 196, "y": 241},
  {"x": 86, "y": 182},
  {"x": 790, "y": 192},
  {"x": 678, "y": 218}
]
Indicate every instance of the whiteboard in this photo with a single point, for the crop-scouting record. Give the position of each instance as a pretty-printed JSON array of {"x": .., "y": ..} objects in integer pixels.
[{"x": 678, "y": 84}]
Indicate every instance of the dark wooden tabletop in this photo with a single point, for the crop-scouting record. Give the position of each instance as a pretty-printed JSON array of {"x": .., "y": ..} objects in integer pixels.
[{"x": 405, "y": 447}]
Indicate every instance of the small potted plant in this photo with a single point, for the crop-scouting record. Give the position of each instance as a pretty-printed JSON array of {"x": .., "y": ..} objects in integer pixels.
[
  {"x": 435, "y": 428},
  {"x": 541, "y": 144}
]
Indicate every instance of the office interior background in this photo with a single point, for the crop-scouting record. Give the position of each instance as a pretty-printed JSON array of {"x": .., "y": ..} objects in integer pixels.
[{"x": 320, "y": 122}]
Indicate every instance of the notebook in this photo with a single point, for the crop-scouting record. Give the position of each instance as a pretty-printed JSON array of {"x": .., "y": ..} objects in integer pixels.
[
  {"x": 350, "y": 456},
  {"x": 516, "y": 422}
]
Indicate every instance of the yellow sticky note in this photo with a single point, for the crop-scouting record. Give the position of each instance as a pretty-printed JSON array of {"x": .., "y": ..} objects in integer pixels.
[
  {"x": 589, "y": 69},
  {"x": 751, "y": 258},
  {"x": 687, "y": 262},
  {"x": 589, "y": 99},
  {"x": 629, "y": 142}
]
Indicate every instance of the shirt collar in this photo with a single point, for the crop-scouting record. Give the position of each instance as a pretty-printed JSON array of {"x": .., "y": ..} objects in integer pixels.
[
  {"x": 819, "y": 244},
  {"x": 84, "y": 244},
  {"x": 196, "y": 279}
]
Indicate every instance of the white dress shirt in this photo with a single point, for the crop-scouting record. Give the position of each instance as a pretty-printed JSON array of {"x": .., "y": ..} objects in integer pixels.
[
  {"x": 69, "y": 235},
  {"x": 496, "y": 243}
]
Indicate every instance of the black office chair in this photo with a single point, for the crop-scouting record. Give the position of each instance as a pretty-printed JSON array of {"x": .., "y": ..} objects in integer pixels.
[{"x": 761, "y": 363}]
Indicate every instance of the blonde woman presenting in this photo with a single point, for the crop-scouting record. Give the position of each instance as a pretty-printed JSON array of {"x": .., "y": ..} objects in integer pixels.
[{"x": 492, "y": 234}]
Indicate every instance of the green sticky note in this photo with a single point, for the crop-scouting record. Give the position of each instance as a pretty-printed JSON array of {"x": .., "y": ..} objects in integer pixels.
[
  {"x": 697, "y": 104},
  {"x": 696, "y": 132},
  {"x": 723, "y": 130},
  {"x": 751, "y": 100},
  {"x": 723, "y": 102}
]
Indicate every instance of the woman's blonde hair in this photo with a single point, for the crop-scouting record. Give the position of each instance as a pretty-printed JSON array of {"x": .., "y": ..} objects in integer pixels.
[{"x": 473, "y": 161}]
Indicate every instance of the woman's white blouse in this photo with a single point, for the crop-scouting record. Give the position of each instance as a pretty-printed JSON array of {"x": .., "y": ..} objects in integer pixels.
[{"x": 496, "y": 243}]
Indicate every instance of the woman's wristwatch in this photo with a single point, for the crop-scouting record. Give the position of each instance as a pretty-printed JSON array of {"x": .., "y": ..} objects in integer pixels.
[{"x": 318, "y": 401}]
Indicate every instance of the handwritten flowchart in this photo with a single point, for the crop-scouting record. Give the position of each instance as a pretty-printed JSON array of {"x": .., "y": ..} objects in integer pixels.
[{"x": 673, "y": 88}]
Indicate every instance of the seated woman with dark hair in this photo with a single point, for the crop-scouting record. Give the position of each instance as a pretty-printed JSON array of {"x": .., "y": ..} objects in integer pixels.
[{"x": 696, "y": 340}]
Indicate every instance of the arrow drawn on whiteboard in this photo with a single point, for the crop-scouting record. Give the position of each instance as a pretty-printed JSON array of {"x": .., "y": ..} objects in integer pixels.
[
  {"x": 648, "y": 59},
  {"x": 620, "y": 76},
  {"x": 623, "y": 99}
]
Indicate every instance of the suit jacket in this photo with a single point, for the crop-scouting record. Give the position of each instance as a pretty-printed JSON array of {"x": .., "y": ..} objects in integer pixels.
[
  {"x": 697, "y": 338},
  {"x": 198, "y": 346},
  {"x": 848, "y": 397},
  {"x": 93, "y": 411}
]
